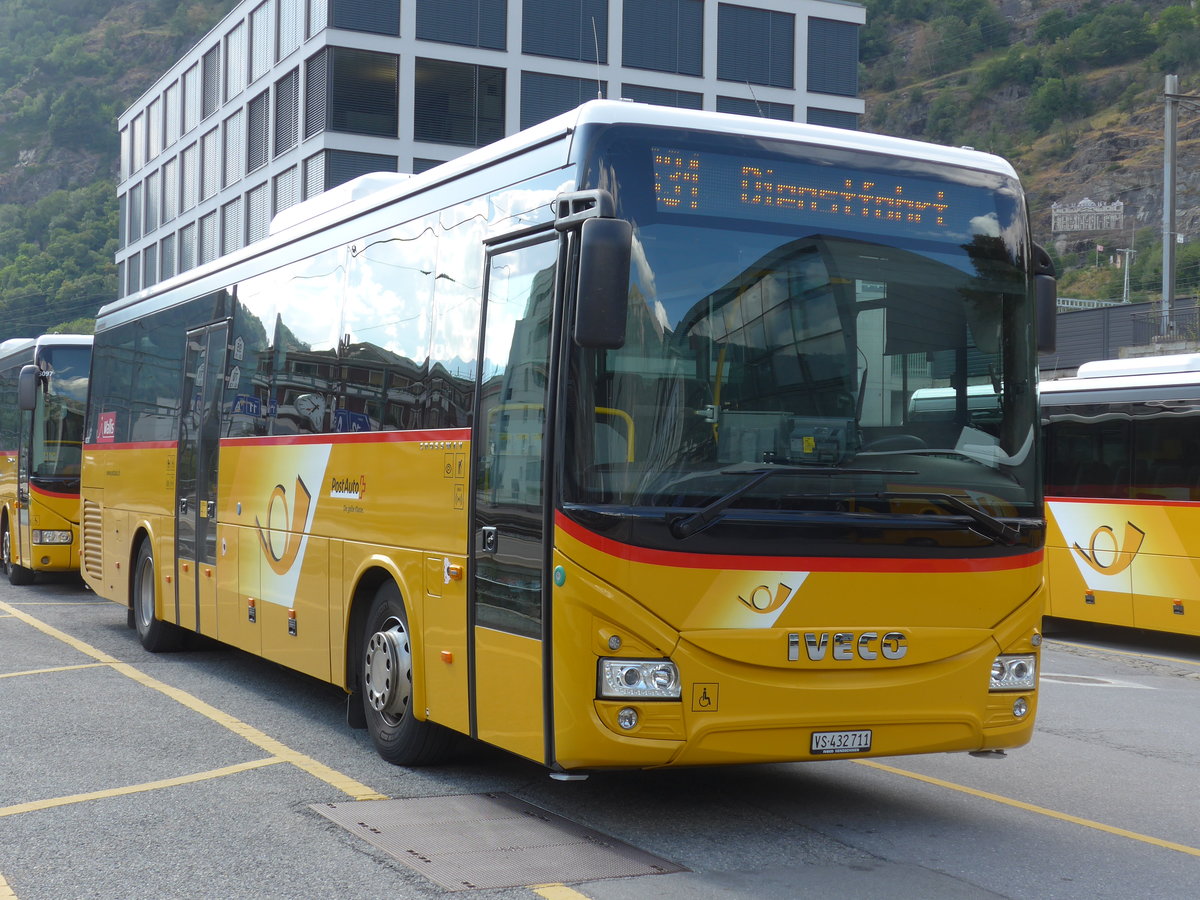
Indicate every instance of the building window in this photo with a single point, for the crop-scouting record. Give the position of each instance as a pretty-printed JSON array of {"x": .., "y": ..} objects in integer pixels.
[
  {"x": 566, "y": 29},
  {"x": 663, "y": 35},
  {"x": 260, "y": 41},
  {"x": 258, "y": 212},
  {"x": 352, "y": 91},
  {"x": 371, "y": 16},
  {"x": 153, "y": 194},
  {"x": 135, "y": 212},
  {"x": 833, "y": 57},
  {"x": 150, "y": 265},
  {"x": 187, "y": 247},
  {"x": 172, "y": 114},
  {"x": 126, "y": 154},
  {"x": 756, "y": 46},
  {"x": 209, "y": 235},
  {"x": 287, "y": 111},
  {"x": 154, "y": 128},
  {"x": 285, "y": 187},
  {"x": 763, "y": 109},
  {"x": 458, "y": 103},
  {"x": 289, "y": 27},
  {"x": 189, "y": 177},
  {"x": 642, "y": 93},
  {"x": 313, "y": 175},
  {"x": 834, "y": 118},
  {"x": 234, "y": 162},
  {"x": 170, "y": 189},
  {"x": 133, "y": 271},
  {"x": 210, "y": 164},
  {"x": 472, "y": 23},
  {"x": 545, "y": 96},
  {"x": 166, "y": 257},
  {"x": 424, "y": 165},
  {"x": 122, "y": 220},
  {"x": 137, "y": 142},
  {"x": 235, "y": 61},
  {"x": 318, "y": 17},
  {"x": 191, "y": 98},
  {"x": 257, "y": 131},
  {"x": 210, "y": 75},
  {"x": 231, "y": 225}
]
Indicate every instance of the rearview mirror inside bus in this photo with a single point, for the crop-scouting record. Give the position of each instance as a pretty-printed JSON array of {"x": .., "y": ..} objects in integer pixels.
[
  {"x": 27, "y": 387},
  {"x": 605, "y": 246}
]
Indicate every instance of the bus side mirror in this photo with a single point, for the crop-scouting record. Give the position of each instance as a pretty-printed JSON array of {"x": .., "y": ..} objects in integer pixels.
[
  {"x": 1046, "y": 286},
  {"x": 602, "y": 295},
  {"x": 28, "y": 383}
]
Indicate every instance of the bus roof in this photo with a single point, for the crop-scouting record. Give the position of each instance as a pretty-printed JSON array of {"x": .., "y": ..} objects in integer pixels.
[
  {"x": 350, "y": 202},
  {"x": 1143, "y": 373}
]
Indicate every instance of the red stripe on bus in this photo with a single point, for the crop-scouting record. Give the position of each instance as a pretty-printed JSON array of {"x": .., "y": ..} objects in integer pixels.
[
  {"x": 357, "y": 437},
  {"x": 677, "y": 559},
  {"x": 41, "y": 490}
]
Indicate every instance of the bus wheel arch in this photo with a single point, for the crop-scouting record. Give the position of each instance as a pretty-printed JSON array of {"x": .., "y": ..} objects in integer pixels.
[
  {"x": 381, "y": 677},
  {"x": 155, "y": 635}
]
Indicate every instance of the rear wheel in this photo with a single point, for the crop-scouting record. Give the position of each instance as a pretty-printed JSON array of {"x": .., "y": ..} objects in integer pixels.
[
  {"x": 17, "y": 575},
  {"x": 387, "y": 686},
  {"x": 156, "y": 635}
]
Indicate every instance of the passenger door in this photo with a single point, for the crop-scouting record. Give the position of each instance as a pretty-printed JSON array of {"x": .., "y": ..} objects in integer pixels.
[
  {"x": 508, "y": 594},
  {"x": 196, "y": 468}
]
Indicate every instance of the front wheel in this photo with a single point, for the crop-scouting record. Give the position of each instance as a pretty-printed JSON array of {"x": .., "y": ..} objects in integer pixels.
[
  {"x": 18, "y": 575},
  {"x": 156, "y": 635},
  {"x": 387, "y": 686}
]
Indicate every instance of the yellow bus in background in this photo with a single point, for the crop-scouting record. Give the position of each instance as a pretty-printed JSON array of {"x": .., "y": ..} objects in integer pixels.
[
  {"x": 1123, "y": 493},
  {"x": 593, "y": 444},
  {"x": 43, "y": 397}
]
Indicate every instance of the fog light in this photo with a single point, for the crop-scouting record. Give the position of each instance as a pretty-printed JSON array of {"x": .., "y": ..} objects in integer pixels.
[
  {"x": 627, "y": 718},
  {"x": 1013, "y": 673},
  {"x": 648, "y": 678},
  {"x": 1020, "y": 708}
]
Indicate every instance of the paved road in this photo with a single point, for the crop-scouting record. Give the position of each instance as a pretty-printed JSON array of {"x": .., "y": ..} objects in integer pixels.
[{"x": 127, "y": 775}]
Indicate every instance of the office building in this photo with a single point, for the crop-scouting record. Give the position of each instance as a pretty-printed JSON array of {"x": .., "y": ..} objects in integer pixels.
[{"x": 285, "y": 99}]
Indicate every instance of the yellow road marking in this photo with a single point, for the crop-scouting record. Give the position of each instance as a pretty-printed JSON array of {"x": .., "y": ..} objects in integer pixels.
[
  {"x": 52, "y": 802},
  {"x": 557, "y": 892},
  {"x": 1133, "y": 653},
  {"x": 1040, "y": 810},
  {"x": 6, "y": 893},
  {"x": 344, "y": 783},
  {"x": 94, "y": 665}
]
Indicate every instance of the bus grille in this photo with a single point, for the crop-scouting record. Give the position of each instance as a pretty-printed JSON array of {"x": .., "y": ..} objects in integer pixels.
[{"x": 91, "y": 554}]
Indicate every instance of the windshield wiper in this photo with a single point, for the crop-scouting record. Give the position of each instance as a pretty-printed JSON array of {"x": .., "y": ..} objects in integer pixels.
[
  {"x": 685, "y": 526},
  {"x": 988, "y": 525}
]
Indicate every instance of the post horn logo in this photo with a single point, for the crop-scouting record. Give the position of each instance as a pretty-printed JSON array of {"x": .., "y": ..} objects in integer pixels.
[
  {"x": 283, "y": 560},
  {"x": 1121, "y": 555},
  {"x": 763, "y": 600}
]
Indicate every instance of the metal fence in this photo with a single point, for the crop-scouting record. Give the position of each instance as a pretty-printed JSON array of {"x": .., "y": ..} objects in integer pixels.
[{"x": 1183, "y": 325}]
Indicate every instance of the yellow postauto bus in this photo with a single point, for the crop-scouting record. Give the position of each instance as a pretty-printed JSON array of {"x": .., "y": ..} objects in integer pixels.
[
  {"x": 1123, "y": 493},
  {"x": 592, "y": 444},
  {"x": 43, "y": 397}
]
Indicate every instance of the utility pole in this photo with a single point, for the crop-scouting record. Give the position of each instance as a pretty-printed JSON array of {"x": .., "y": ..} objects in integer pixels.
[
  {"x": 1129, "y": 255},
  {"x": 1171, "y": 100}
]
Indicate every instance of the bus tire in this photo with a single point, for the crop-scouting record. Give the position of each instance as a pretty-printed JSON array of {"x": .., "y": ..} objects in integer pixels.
[
  {"x": 386, "y": 677},
  {"x": 18, "y": 575},
  {"x": 156, "y": 635}
]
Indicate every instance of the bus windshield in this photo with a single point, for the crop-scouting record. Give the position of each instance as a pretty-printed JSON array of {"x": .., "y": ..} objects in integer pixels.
[
  {"x": 58, "y": 420},
  {"x": 828, "y": 315}
]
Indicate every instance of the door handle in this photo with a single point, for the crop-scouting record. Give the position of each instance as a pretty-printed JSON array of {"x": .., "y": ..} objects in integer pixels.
[{"x": 183, "y": 506}]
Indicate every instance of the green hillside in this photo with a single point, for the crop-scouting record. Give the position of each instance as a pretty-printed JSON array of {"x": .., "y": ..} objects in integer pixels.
[{"x": 1071, "y": 92}]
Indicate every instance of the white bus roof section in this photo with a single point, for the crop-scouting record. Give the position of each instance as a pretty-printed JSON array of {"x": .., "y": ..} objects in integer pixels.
[
  {"x": 1144, "y": 365},
  {"x": 1146, "y": 374}
]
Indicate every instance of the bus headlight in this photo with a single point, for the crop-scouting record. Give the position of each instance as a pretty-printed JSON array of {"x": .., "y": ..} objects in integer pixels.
[
  {"x": 51, "y": 537},
  {"x": 1014, "y": 673},
  {"x": 646, "y": 678}
]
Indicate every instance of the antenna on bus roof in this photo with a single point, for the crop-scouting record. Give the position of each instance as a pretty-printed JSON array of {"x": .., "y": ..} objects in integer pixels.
[
  {"x": 596, "y": 43},
  {"x": 754, "y": 97}
]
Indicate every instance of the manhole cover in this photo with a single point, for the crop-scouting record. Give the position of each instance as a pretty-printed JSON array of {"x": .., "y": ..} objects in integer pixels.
[{"x": 490, "y": 841}]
